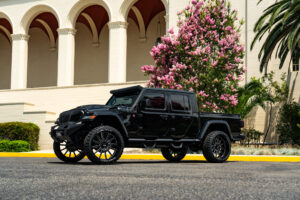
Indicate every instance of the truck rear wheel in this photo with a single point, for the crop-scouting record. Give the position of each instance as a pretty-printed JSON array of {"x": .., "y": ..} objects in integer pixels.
[
  {"x": 216, "y": 147},
  {"x": 104, "y": 145},
  {"x": 174, "y": 155},
  {"x": 67, "y": 152}
]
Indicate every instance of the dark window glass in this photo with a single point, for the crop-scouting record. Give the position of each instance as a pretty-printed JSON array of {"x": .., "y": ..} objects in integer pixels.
[
  {"x": 295, "y": 65},
  {"x": 126, "y": 99},
  {"x": 180, "y": 102},
  {"x": 154, "y": 101}
]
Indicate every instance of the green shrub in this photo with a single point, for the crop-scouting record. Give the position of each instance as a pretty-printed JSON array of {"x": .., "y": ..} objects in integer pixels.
[
  {"x": 20, "y": 131},
  {"x": 4, "y": 145},
  {"x": 287, "y": 127},
  {"x": 19, "y": 146},
  {"x": 251, "y": 136},
  {"x": 14, "y": 146}
]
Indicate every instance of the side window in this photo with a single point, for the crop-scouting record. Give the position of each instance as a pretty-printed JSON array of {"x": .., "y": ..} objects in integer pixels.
[
  {"x": 154, "y": 101},
  {"x": 180, "y": 102}
]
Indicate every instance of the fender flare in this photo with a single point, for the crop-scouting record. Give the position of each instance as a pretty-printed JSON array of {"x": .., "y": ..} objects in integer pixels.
[
  {"x": 117, "y": 118},
  {"x": 212, "y": 122}
]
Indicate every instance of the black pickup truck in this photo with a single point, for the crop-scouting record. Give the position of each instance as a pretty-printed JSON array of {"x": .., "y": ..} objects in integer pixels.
[{"x": 144, "y": 118}]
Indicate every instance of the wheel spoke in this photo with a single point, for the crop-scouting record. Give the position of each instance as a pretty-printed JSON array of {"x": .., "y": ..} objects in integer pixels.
[
  {"x": 98, "y": 138},
  {"x": 110, "y": 153}
]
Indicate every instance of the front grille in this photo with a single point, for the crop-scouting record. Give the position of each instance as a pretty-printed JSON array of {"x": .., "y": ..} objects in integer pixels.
[{"x": 71, "y": 115}]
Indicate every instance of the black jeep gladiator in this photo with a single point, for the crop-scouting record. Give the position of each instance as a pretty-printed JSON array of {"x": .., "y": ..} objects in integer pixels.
[{"x": 144, "y": 118}]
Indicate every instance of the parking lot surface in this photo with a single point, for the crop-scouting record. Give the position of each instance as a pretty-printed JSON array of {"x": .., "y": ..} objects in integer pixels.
[{"x": 48, "y": 178}]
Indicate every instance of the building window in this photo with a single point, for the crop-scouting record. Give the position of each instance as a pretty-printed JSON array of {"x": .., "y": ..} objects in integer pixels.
[{"x": 295, "y": 65}]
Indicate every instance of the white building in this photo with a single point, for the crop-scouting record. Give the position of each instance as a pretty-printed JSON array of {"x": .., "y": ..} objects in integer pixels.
[{"x": 58, "y": 54}]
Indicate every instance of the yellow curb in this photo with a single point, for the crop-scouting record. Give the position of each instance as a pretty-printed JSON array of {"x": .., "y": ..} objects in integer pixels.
[{"x": 160, "y": 157}]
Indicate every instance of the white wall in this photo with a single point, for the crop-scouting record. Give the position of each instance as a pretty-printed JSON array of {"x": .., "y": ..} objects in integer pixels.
[{"x": 56, "y": 100}]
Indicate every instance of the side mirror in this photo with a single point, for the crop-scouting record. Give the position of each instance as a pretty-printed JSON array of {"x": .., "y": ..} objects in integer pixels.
[{"x": 144, "y": 103}]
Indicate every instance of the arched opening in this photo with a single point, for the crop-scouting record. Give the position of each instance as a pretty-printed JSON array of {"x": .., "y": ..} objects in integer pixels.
[
  {"x": 91, "y": 46},
  {"x": 146, "y": 23},
  {"x": 5, "y": 53},
  {"x": 42, "y": 51}
]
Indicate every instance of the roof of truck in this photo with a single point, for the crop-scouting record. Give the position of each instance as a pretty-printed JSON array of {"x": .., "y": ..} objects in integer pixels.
[{"x": 140, "y": 88}]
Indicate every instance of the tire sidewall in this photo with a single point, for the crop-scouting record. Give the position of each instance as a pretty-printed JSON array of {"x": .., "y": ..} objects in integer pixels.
[
  {"x": 207, "y": 147},
  {"x": 88, "y": 143}
]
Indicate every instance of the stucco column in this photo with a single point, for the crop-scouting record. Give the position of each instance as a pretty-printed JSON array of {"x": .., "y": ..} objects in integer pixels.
[
  {"x": 19, "y": 61},
  {"x": 66, "y": 56},
  {"x": 117, "y": 52}
]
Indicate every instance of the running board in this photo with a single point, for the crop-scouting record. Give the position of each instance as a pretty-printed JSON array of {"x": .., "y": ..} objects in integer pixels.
[{"x": 163, "y": 140}]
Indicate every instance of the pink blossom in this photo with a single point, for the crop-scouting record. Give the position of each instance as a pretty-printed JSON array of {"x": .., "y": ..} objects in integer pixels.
[
  {"x": 205, "y": 56},
  {"x": 171, "y": 31}
]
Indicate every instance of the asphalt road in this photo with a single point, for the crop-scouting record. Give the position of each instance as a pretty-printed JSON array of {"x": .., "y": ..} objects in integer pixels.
[{"x": 48, "y": 178}]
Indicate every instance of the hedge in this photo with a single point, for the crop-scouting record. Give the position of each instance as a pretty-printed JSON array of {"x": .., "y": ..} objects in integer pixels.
[
  {"x": 14, "y": 146},
  {"x": 20, "y": 131}
]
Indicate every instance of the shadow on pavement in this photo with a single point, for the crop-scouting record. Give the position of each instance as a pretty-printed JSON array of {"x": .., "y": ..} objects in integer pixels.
[{"x": 122, "y": 162}]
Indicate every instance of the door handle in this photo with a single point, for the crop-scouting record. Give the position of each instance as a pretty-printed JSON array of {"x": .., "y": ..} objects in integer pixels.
[
  {"x": 186, "y": 117},
  {"x": 164, "y": 117},
  {"x": 139, "y": 115}
]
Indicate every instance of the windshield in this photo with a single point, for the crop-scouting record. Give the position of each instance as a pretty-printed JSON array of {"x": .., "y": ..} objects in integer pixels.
[{"x": 125, "y": 99}]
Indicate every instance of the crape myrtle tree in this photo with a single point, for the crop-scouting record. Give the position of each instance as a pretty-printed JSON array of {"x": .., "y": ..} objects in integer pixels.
[{"x": 205, "y": 56}]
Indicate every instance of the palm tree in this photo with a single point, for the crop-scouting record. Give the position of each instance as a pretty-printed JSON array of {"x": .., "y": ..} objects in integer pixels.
[
  {"x": 251, "y": 95},
  {"x": 281, "y": 22}
]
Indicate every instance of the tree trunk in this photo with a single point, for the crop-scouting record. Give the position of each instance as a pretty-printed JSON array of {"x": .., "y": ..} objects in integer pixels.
[{"x": 269, "y": 123}]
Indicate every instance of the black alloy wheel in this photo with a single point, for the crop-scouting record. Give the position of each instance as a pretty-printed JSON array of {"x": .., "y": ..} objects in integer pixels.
[
  {"x": 104, "y": 145},
  {"x": 216, "y": 147},
  {"x": 67, "y": 152},
  {"x": 174, "y": 155}
]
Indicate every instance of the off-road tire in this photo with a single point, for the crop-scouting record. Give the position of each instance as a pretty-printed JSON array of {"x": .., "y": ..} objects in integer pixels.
[
  {"x": 63, "y": 156},
  {"x": 210, "y": 149},
  {"x": 97, "y": 132},
  {"x": 174, "y": 155}
]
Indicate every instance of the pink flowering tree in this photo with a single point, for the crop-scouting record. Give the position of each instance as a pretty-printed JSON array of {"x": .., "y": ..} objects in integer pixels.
[{"x": 205, "y": 56}]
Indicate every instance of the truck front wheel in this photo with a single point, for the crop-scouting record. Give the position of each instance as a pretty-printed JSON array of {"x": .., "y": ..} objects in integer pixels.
[
  {"x": 104, "y": 145},
  {"x": 67, "y": 152},
  {"x": 216, "y": 147},
  {"x": 174, "y": 155}
]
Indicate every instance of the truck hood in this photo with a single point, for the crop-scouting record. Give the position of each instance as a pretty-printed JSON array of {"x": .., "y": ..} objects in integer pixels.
[{"x": 94, "y": 107}]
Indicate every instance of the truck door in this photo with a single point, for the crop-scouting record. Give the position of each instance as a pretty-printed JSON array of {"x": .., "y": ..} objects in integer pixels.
[
  {"x": 180, "y": 114},
  {"x": 153, "y": 115}
]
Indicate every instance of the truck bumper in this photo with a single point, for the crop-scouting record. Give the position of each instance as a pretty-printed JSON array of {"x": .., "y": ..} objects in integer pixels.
[
  {"x": 238, "y": 137},
  {"x": 60, "y": 133}
]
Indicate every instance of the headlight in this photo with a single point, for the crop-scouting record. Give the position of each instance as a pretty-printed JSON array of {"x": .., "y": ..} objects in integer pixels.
[{"x": 89, "y": 117}]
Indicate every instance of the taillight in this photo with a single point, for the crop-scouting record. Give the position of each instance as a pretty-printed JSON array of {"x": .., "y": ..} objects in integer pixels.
[{"x": 242, "y": 123}]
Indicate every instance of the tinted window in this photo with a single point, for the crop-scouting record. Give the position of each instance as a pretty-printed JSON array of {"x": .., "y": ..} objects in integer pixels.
[
  {"x": 154, "y": 101},
  {"x": 180, "y": 102}
]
